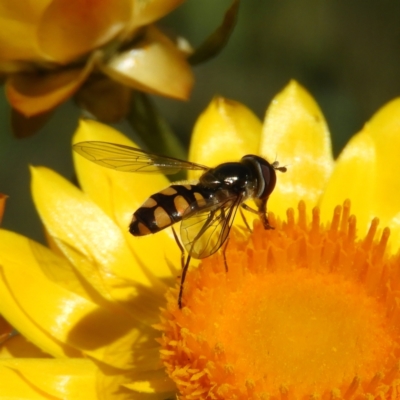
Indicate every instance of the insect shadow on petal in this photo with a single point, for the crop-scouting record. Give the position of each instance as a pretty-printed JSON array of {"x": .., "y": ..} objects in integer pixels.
[{"x": 206, "y": 208}]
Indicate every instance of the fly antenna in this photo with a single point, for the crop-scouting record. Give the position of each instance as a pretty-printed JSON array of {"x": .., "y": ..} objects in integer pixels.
[{"x": 275, "y": 165}]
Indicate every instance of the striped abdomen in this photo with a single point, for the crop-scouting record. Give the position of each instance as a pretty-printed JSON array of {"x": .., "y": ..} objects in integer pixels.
[{"x": 164, "y": 208}]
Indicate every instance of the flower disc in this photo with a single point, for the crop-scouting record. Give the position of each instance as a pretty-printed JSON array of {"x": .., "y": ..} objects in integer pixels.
[{"x": 304, "y": 310}]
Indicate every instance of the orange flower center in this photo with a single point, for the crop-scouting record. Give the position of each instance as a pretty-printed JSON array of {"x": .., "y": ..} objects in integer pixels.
[{"x": 304, "y": 310}]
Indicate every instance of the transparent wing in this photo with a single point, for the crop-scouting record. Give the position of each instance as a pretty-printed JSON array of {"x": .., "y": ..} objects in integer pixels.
[
  {"x": 205, "y": 227},
  {"x": 131, "y": 159}
]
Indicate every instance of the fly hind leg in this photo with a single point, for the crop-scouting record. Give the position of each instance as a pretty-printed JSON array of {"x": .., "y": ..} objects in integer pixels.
[
  {"x": 184, "y": 270},
  {"x": 184, "y": 265},
  {"x": 224, "y": 254},
  {"x": 180, "y": 247}
]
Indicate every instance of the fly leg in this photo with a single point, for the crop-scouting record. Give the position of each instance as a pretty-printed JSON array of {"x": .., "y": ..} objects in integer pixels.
[
  {"x": 184, "y": 270},
  {"x": 224, "y": 254},
  {"x": 246, "y": 207},
  {"x": 261, "y": 212},
  {"x": 184, "y": 264},
  {"x": 180, "y": 247}
]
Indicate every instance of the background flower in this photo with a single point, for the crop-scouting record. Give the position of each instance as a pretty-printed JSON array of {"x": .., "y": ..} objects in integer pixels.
[
  {"x": 3, "y": 199},
  {"x": 53, "y": 49}
]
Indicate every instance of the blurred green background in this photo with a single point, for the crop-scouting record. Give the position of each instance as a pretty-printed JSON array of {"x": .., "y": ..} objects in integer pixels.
[{"x": 345, "y": 53}]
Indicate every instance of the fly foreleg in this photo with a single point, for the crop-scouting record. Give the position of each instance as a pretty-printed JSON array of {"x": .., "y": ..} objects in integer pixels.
[{"x": 261, "y": 212}]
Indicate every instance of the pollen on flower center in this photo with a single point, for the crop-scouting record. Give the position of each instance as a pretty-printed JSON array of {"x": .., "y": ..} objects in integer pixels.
[
  {"x": 303, "y": 310},
  {"x": 302, "y": 323}
]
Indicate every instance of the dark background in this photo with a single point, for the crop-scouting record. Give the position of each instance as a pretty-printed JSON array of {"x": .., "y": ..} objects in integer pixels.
[{"x": 345, "y": 53}]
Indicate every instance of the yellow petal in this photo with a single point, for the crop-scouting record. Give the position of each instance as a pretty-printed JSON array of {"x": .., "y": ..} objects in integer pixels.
[
  {"x": 365, "y": 173},
  {"x": 225, "y": 131},
  {"x": 32, "y": 93},
  {"x": 154, "y": 65},
  {"x": 48, "y": 379},
  {"x": 85, "y": 278},
  {"x": 394, "y": 239},
  {"x": 113, "y": 386},
  {"x": 71, "y": 319},
  {"x": 99, "y": 182},
  {"x": 19, "y": 347},
  {"x": 18, "y": 21},
  {"x": 153, "y": 382},
  {"x": 10, "y": 306},
  {"x": 71, "y": 28},
  {"x": 40, "y": 260},
  {"x": 354, "y": 178},
  {"x": 6, "y": 330},
  {"x": 13, "y": 386},
  {"x": 119, "y": 194},
  {"x": 72, "y": 218},
  {"x": 384, "y": 130},
  {"x": 296, "y": 134},
  {"x": 146, "y": 12},
  {"x": 79, "y": 274},
  {"x": 132, "y": 351}
]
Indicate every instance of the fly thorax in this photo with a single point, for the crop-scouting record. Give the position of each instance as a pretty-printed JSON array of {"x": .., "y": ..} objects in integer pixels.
[{"x": 235, "y": 178}]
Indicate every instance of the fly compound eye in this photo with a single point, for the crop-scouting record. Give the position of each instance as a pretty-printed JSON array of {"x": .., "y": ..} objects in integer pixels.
[{"x": 268, "y": 179}]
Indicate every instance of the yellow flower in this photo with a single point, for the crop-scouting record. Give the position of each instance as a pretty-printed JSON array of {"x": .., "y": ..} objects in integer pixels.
[
  {"x": 90, "y": 299},
  {"x": 50, "y": 49},
  {"x": 306, "y": 309}
]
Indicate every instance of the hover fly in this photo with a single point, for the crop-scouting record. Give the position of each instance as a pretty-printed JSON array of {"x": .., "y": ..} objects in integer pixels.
[{"x": 206, "y": 207}]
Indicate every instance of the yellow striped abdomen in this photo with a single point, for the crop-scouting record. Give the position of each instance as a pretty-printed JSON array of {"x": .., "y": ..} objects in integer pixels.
[{"x": 165, "y": 208}]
